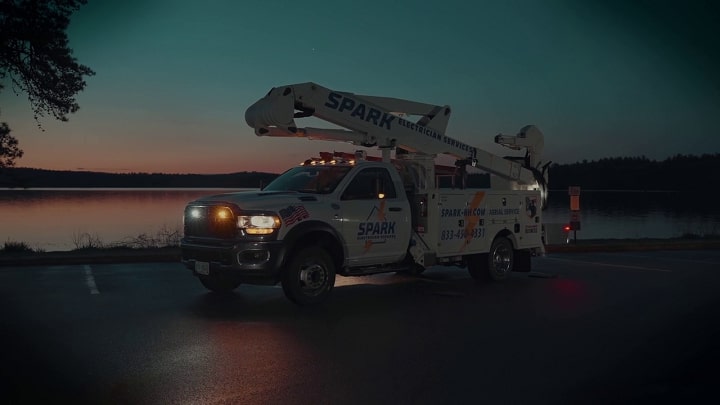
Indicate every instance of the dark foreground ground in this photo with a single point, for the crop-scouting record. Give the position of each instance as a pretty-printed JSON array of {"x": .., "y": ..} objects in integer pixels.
[
  {"x": 583, "y": 328},
  {"x": 172, "y": 254}
]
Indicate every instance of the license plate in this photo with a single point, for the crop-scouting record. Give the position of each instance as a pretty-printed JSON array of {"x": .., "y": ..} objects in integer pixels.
[{"x": 202, "y": 268}]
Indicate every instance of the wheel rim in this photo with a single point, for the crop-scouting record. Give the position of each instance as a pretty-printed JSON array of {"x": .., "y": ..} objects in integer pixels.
[
  {"x": 313, "y": 278},
  {"x": 501, "y": 259}
]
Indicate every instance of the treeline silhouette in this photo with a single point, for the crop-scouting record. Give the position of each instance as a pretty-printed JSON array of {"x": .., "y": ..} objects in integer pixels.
[
  {"x": 41, "y": 178},
  {"x": 677, "y": 173}
]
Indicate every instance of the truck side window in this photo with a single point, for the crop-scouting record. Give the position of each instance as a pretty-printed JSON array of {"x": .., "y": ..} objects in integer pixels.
[{"x": 369, "y": 184}]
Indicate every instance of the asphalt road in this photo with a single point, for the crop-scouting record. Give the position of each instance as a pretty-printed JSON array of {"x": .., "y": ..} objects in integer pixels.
[{"x": 587, "y": 328}]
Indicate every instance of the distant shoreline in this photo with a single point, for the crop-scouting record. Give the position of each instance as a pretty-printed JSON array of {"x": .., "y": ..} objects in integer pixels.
[
  {"x": 639, "y": 174},
  {"x": 29, "y": 178}
]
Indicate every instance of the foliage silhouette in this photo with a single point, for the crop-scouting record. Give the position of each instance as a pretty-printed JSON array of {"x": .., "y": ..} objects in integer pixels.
[
  {"x": 676, "y": 173},
  {"x": 35, "y": 54},
  {"x": 9, "y": 150}
]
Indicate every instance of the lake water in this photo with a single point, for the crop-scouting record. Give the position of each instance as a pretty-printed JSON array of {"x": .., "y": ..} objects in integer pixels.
[{"x": 63, "y": 219}]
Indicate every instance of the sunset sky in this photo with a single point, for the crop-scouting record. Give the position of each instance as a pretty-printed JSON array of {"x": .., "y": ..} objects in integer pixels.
[{"x": 173, "y": 78}]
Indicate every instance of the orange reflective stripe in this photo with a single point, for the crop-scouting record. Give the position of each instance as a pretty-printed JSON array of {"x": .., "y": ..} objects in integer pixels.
[{"x": 471, "y": 220}]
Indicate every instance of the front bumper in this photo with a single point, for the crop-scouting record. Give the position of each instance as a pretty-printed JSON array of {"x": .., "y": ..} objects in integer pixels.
[{"x": 247, "y": 262}]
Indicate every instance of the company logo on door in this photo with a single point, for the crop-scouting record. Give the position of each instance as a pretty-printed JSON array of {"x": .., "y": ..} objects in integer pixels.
[{"x": 376, "y": 227}]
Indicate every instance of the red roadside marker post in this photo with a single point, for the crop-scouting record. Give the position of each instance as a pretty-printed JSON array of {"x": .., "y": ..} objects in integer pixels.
[{"x": 574, "y": 193}]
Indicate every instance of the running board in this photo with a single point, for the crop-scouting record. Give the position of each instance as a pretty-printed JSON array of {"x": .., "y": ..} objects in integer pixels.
[{"x": 366, "y": 271}]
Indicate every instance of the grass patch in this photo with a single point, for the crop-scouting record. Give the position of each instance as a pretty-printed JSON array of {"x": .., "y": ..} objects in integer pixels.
[
  {"x": 164, "y": 237},
  {"x": 85, "y": 241},
  {"x": 16, "y": 247}
]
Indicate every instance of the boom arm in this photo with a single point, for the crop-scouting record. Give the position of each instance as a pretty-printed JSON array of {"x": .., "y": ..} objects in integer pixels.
[
  {"x": 379, "y": 121},
  {"x": 373, "y": 121}
]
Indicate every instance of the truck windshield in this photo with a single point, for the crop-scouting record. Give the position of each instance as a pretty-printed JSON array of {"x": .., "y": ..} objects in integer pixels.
[{"x": 309, "y": 179}]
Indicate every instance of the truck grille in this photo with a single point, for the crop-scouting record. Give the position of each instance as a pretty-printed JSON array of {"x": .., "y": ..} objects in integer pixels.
[{"x": 211, "y": 221}]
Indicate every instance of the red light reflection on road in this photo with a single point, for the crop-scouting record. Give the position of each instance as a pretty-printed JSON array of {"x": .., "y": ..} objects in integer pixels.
[
  {"x": 569, "y": 288},
  {"x": 569, "y": 294}
]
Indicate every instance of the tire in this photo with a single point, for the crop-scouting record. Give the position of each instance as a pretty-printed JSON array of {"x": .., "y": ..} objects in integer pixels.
[
  {"x": 495, "y": 265},
  {"x": 218, "y": 284},
  {"x": 309, "y": 276},
  {"x": 501, "y": 259}
]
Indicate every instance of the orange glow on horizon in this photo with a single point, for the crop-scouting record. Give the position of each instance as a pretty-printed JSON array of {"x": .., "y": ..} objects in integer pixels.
[{"x": 96, "y": 163}]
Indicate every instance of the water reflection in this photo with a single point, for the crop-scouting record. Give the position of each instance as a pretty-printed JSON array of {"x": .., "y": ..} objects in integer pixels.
[
  {"x": 51, "y": 218},
  {"x": 641, "y": 214}
]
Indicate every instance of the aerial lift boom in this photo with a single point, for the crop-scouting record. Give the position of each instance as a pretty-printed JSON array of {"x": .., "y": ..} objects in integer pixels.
[{"x": 383, "y": 122}]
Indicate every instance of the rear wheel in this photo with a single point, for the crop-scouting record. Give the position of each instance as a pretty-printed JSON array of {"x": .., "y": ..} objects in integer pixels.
[
  {"x": 495, "y": 265},
  {"x": 500, "y": 259},
  {"x": 218, "y": 284},
  {"x": 309, "y": 276}
]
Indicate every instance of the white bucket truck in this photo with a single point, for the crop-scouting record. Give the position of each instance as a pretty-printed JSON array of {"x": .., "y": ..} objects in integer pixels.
[{"x": 351, "y": 215}]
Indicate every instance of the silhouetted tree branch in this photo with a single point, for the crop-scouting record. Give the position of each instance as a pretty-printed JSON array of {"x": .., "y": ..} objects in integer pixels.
[
  {"x": 9, "y": 150},
  {"x": 35, "y": 55}
]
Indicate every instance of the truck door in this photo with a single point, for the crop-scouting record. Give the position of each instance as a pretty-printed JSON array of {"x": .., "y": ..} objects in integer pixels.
[{"x": 375, "y": 218}]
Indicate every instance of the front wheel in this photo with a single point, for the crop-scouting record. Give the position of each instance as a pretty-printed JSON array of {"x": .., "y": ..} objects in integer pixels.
[
  {"x": 309, "y": 276},
  {"x": 218, "y": 284}
]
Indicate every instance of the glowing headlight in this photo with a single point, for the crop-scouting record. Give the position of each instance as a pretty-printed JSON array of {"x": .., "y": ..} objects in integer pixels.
[
  {"x": 223, "y": 213},
  {"x": 263, "y": 221},
  {"x": 258, "y": 224}
]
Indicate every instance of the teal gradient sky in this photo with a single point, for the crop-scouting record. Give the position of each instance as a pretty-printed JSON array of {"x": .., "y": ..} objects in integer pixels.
[{"x": 599, "y": 78}]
